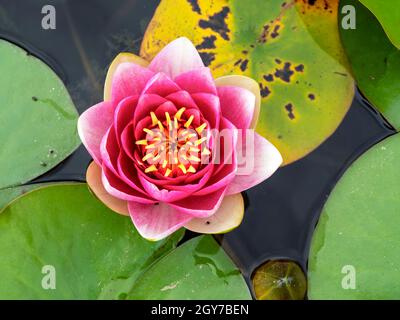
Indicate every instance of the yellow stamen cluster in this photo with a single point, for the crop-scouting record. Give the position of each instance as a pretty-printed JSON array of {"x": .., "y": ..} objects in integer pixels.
[{"x": 172, "y": 145}]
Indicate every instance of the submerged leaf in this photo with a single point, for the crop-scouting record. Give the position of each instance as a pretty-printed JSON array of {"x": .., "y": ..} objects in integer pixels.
[
  {"x": 291, "y": 48},
  {"x": 279, "y": 280},
  {"x": 37, "y": 117},
  {"x": 355, "y": 249}
]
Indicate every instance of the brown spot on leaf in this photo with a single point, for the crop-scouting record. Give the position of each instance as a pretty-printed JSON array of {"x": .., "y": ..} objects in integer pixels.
[
  {"x": 278, "y": 61},
  {"x": 275, "y": 33},
  {"x": 311, "y": 96},
  {"x": 268, "y": 77},
  {"x": 207, "y": 43},
  {"x": 284, "y": 73},
  {"x": 207, "y": 57},
  {"x": 264, "y": 91},
  {"x": 299, "y": 68},
  {"x": 289, "y": 109},
  {"x": 195, "y": 6},
  {"x": 217, "y": 23},
  {"x": 238, "y": 62},
  {"x": 243, "y": 65}
]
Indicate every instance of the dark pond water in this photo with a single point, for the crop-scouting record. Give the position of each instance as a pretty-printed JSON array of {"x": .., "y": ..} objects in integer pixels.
[{"x": 281, "y": 213}]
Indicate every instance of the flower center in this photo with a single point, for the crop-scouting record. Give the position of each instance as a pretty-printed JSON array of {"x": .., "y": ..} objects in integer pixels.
[{"x": 173, "y": 145}]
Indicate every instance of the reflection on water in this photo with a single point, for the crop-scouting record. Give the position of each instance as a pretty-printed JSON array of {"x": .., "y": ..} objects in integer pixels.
[{"x": 281, "y": 213}]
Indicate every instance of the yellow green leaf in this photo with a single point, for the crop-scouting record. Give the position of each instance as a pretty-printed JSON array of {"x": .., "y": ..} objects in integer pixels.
[{"x": 291, "y": 48}]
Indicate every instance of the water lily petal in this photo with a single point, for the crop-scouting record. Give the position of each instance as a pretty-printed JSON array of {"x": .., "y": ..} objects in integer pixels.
[
  {"x": 129, "y": 80},
  {"x": 228, "y": 217},
  {"x": 182, "y": 99},
  {"x": 200, "y": 206},
  {"x": 115, "y": 186},
  {"x": 161, "y": 194},
  {"x": 120, "y": 58},
  {"x": 209, "y": 105},
  {"x": 109, "y": 150},
  {"x": 197, "y": 81},
  {"x": 245, "y": 83},
  {"x": 144, "y": 123},
  {"x": 93, "y": 178},
  {"x": 225, "y": 165},
  {"x": 177, "y": 57},
  {"x": 124, "y": 114},
  {"x": 93, "y": 125},
  {"x": 161, "y": 84},
  {"x": 165, "y": 107},
  {"x": 147, "y": 103},
  {"x": 237, "y": 105},
  {"x": 127, "y": 143},
  {"x": 157, "y": 221},
  {"x": 267, "y": 160},
  {"x": 223, "y": 177},
  {"x": 128, "y": 172}
]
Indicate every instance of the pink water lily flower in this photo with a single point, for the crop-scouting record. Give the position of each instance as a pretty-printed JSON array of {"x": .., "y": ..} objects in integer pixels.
[{"x": 153, "y": 145}]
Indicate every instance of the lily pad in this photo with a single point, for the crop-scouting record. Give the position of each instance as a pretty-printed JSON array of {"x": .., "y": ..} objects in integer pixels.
[
  {"x": 375, "y": 62},
  {"x": 198, "y": 269},
  {"x": 388, "y": 15},
  {"x": 291, "y": 48},
  {"x": 65, "y": 227},
  {"x": 355, "y": 249},
  {"x": 37, "y": 117}
]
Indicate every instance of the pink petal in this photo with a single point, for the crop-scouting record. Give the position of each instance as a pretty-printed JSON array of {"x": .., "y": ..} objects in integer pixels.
[
  {"x": 209, "y": 106},
  {"x": 128, "y": 172},
  {"x": 200, "y": 206},
  {"x": 124, "y": 114},
  {"x": 182, "y": 99},
  {"x": 144, "y": 123},
  {"x": 267, "y": 160},
  {"x": 93, "y": 125},
  {"x": 161, "y": 194},
  {"x": 129, "y": 80},
  {"x": 157, "y": 221},
  {"x": 223, "y": 177},
  {"x": 109, "y": 149},
  {"x": 165, "y": 107},
  {"x": 115, "y": 186},
  {"x": 197, "y": 81},
  {"x": 237, "y": 105},
  {"x": 177, "y": 57},
  {"x": 161, "y": 84},
  {"x": 147, "y": 103},
  {"x": 127, "y": 142},
  {"x": 225, "y": 166}
]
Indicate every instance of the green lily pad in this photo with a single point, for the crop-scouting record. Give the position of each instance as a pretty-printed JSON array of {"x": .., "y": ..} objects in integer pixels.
[
  {"x": 388, "y": 15},
  {"x": 198, "y": 269},
  {"x": 292, "y": 49},
  {"x": 375, "y": 62},
  {"x": 66, "y": 227},
  {"x": 37, "y": 117},
  {"x": 355, "y": 249}
]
